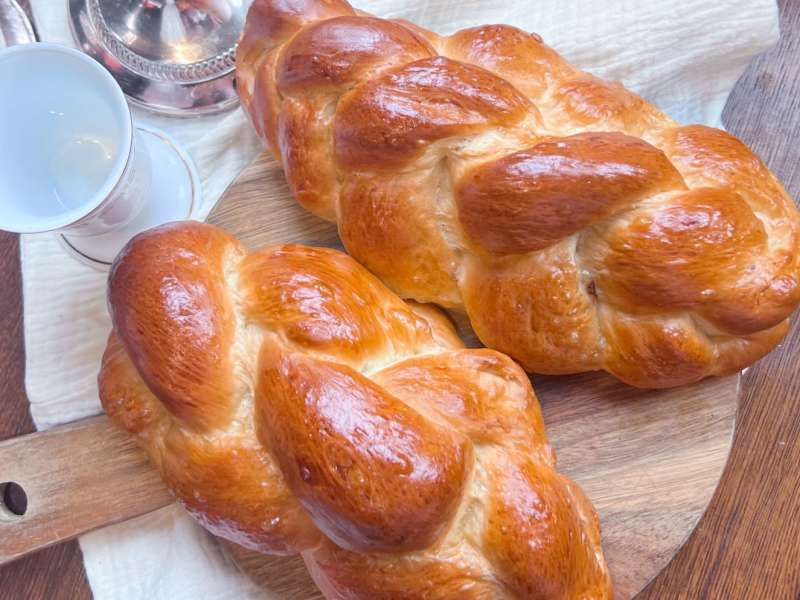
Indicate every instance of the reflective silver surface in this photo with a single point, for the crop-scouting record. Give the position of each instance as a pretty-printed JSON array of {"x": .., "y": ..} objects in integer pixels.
[
  {"x": 172, "y": 56},
  {"x": 15, "y": 28}
]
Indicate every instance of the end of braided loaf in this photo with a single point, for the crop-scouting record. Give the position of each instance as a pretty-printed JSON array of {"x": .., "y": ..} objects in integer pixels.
[
  {"x": 578, "y": 226},
  {"x": 294, "y": 404}
]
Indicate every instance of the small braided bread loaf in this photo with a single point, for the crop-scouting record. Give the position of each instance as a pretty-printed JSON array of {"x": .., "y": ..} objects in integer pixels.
[
  {"x": 578, "y": 226},
  {"x": 294, "y": 404}
]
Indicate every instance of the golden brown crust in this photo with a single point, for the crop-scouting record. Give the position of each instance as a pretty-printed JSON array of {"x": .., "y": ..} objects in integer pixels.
[
  {"x": 175, "y": 319},
  {"x": 586, "y": 102},
  {"x": 274, "y": 23},
  {"x": 374, "y": 474},
  {"x": 497, "y": 408},
  {"x": 357, "y": 430},
  {"x": 374, "y": 224},
  {"x": 520, "y": 57},
  {"x": 305, "y": 295},
  {"x": 681, "y": 255},
  {"x": 305, "y": 142},
  {"x": 126, "y": 398},
  {"x": 341, "y": 574},
  {"x": 553, "y": 310},
  {"x": 532, "y": 199},
  {"x": 648, "y": 351},
  {"x": 386, "y": 122},
  {"x": 234, "y": 488},
  {"x": 454, "y": 163},
  {"x": 532, "y": 503},
  {"x": 328, "y": 56}
]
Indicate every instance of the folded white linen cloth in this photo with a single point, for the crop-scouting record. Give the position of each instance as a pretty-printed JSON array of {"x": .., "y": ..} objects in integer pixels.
[{"x": 685, "y": 56}]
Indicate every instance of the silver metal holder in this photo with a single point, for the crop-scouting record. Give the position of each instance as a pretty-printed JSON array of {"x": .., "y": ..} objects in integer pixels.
[
  {"x": 169, "y": 56},
  {"x": 15, "y": 28}
]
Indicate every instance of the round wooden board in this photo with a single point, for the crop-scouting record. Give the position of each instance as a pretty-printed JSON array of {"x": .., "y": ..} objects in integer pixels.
[{"x": 649, "y": 460}]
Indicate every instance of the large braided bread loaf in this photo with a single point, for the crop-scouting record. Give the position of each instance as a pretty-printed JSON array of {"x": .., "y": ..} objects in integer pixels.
[
  {"x": 578, "y": 226},
  {"x": 295, "y": 405}
]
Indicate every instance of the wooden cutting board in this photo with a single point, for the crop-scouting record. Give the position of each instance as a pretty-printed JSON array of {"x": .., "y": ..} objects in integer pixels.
[{"x": 649, "y": 460}]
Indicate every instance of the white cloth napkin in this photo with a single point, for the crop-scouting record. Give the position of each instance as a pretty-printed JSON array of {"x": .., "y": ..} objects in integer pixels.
[{"x": 685, "y": 56}]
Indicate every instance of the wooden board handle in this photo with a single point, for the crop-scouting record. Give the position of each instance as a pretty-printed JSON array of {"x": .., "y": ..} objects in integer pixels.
[{"x": 77, "y": 477}]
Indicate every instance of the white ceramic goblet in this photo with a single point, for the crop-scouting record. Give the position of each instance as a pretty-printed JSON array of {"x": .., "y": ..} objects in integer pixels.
[{"x": 73, "y": 162}]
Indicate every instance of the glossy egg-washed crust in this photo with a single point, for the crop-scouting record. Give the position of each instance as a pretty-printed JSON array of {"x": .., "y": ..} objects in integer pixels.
[
  {"x": 295, "y": 405},
  {"x": 578, "y": 226}
]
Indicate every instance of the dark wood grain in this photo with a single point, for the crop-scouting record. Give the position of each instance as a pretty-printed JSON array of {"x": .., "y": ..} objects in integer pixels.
[{"x": 746, "y": 546}]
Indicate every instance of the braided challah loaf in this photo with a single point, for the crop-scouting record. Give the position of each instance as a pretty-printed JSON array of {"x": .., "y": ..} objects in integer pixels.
[
  {"x": 295, "y": 405},
  {"x": 578, "y": 226}
]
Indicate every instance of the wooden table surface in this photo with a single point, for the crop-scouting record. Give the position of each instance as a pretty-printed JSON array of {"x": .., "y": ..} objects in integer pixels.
[{"x": 748, "y": 543}]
